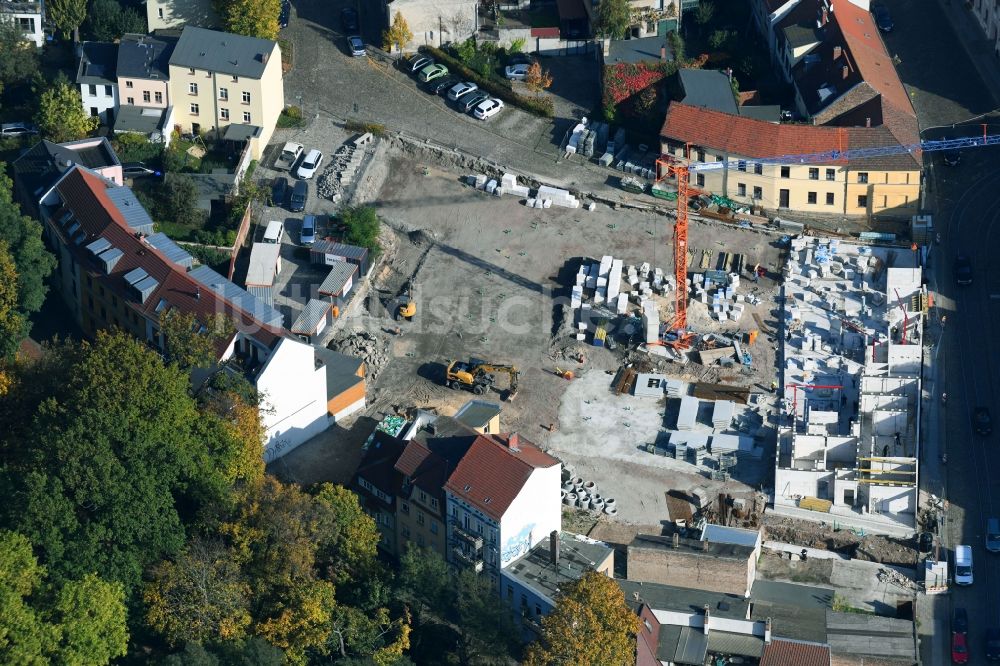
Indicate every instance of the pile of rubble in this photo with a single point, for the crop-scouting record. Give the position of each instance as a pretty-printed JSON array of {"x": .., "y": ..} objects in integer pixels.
[
  {"x": 342, "y": 167},
  {"x": 366, "y": 345}
]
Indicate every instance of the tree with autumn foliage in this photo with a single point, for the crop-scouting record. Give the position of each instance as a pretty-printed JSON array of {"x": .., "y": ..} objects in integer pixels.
[
  {"x": 191, "y": 343},
  {"x": 591, "y": 625},
  {"x": 252, "y": 18},
  {"x": 13, "y": 323},
  {"x": 398, "y": 35},
  {"x": 536, "y": 79},
  {"x": 614, "y": 18}
]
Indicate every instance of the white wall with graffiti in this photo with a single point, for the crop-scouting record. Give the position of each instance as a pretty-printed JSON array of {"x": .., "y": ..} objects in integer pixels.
[
  {"x": 293, "y": 392},
  {"x": 532, "y": 515}
]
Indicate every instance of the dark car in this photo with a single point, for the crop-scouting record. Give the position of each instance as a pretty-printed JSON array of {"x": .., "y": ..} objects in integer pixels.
[
  {"x": 286, "y": 12},
  {"x": 138, "y": 170},
  {"x": 960, "y": 621},
  {"x": 349, "y": 19},
  {"x": 279, "y": 191},
  {"x": 993, "y": 644},
  {"x": 519, "y": 59},
  {"x": 925, "y": 542},
  {"x": 951, "y": 157},
  {"x": 982, "y": 421},
  {"x": 963, "y": 270},
  {"x": 441, "y": 85},
  {"x": 297, "y": 202},
  {"x": 883, "y": 19},
  {"x": 471, "y": 101}
]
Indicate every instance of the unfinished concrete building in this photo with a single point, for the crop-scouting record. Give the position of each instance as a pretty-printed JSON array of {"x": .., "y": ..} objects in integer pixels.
[{"x": 851, "y": 336}]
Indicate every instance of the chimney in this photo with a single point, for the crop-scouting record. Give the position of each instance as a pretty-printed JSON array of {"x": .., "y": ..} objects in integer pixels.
[
  {"x": 554, "y": 546},
  {"x": 845, "y": 70},
  {"x": 868, "y": 122},
  {"x": 708, "y": 616},
  {"x": 677, "y": 539},
  {"x": 197, "y": 293},
  {"x": 837, "y": 51},
  {"x": 767, "y": 631},
  {"x": 606, "y": 47},
  {"x": 514, "y": 441},
  {"x": 264, "y": 57},
  {"x": 663, "y": 54}
]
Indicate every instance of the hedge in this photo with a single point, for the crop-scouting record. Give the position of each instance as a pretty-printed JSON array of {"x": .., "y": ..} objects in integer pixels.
[{"x": 540, "y": 107}]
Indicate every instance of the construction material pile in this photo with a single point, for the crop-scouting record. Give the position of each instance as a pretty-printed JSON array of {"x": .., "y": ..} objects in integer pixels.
[
  {"x": 366, "y": 345},
  {"x": 342, "y": 167}
]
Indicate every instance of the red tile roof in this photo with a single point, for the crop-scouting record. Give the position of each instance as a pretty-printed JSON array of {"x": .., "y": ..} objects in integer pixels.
[
  {"x": 494, "y": 470},
  {"x": 781, "y": 652},
  {"x": 84, "y": 194}
]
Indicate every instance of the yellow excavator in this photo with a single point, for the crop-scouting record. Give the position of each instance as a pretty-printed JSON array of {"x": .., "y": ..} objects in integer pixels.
[
  {"x": 479, "y": 377},
  {"x": 406, "y": 307}
]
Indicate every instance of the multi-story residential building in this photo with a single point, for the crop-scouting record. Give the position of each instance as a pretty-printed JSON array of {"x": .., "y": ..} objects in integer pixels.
[
  {"x": 29, "y": 15},
  {"x": 96, "y": 74},
  {"x": 143, "y": 70},
  {"x": 218, "y": 80},
  {"x": 39, "y": 167},
  {"x": 162, "y": 14},
  {"x": 887, "y": 185}
]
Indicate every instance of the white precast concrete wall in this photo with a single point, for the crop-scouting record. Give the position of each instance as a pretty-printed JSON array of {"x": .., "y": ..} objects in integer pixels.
[
  {"x": 293, "y": 395},
  {"x": 533, "y": 514}
]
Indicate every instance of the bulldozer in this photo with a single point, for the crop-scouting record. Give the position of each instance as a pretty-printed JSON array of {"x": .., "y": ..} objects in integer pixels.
[{"x": 479, "y": 377}]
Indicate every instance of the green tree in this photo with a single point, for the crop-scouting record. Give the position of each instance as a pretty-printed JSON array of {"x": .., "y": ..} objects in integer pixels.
[
  {"x": 398, "y": 35},
  {"x": 13, "y": 323},
  {"x": 704, "y": 13},
  {"x": 614, "y": 18},
  {"x": 61, "y": 116},
  {"x": 590, "y": 625},
  {"x": 424, "y": 577},
  {"x": 107, "y": 20},
  {"x": 363, "y": 227},
  {"x": 351, "y": 541},
  {"x": 190, "y": 343},
  {"x": 82, "y": 622},
  {"x": 253, "y": 18},
  {"x": 250, "y": 652},
  {"x": 18, "y": 57},
  {"x": 488, "y": 627},
  {"x": 66, "y": 16}
]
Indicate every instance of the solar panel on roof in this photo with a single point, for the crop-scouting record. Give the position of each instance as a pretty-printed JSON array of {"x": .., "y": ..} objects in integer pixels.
[
  {"x": 136, "y": 275},
  {"x": 99, "y": 245}
]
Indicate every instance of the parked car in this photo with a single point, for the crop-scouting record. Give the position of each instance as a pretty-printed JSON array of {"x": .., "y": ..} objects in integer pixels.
[
  {"x": 883, "y": 19},
  {"x": 925, "y": 542},
  {"x": 300, "y": 193},
  {"x": 993, "y": 644},
  {"x": 418, "y": 62},
  {"x": 349, "y": 19},
  {"x": 951, "y": 157},
  {"x": 488, "y": 108},
  {"x": 959, "y": 649},
  {"x": 993, "y": 535},
  {"x": 286, "y": 12},
  {"x": 963, "y": 270},
  {"x": 17, "y": 129},
  {"x": 516, "y": 72},
  {"x": 472, "y": 100},
  {"x": 440, "y": 86},
  {"x": 459, "y": 90},
  {"x": 308, "y": 235},
  {"x": 138, "y": 170},
  {"x": 357, "y": 46},
  {"x": 960, "y": 621},
  {"x": 432, "y": 72},
  {"x": 279, "y": 191},
  {"x": 982, "y": 421},
  {"x": 309, "y": 164},
  {"x": 519, "y": 59}
]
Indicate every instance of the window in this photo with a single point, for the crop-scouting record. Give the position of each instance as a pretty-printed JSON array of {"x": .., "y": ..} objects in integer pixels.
[
  {"x": 404, "y": 507},
  {"x": 420, "y": 517},
  {"x": 246, "y": 117},
  {"x": 26, "y": 23},
  {"x": 246, "y": 97},
  {"x": 224, "y": 114},
  {"x": 510, "y": 592},
  {"x": 538, "y": 610},
  {"x": 862, "y": 201},
  {"x": 434, "y": 528},
  {"x": 193, "y": 88},
  {"x": 454, "y": 512},
  {"x": 700, "y": 179},
  {"x": 741, "y": 165},
  {"x": 758, "y": 193},
  {"x": 108, "y": 92},
  {"x": 194, "y": 109},
  {"x": 813, "y": 173},
  {"x": 741, "y": 189},
  {"x": 758, "y": 168},
  {"x": 190, "y": 70},
  {"x": 831, "y": 174},
  {"x": 128, "y": 84},
  {"x": 786, "y": 172},
  {"x": 406, "y": 532},
  {"x": 145, "y": 96},
  {"x": 236, "y": 79},
  {"x": 423, "y": 496},
  {"x": 159, "y": 12},
  {"x": 701, "y": 155},
  {"x": 130, "y": 100},
  {"x": 811, "y": 197},
  {"x": 434, "y": 503},
  {"x": 718, "y": 158},
  {"x": 862, "y": 176},
  {"x": 524, "y": 601},
  {"x": 92, "y": 90},
  {"x": 224, "y": 94},
  {"x": 829, "y": 198},
  {"x": 158, "y": 96}
]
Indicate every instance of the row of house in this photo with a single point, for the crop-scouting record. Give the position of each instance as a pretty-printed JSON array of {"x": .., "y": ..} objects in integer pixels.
[
  {"x": 848, "y": 97},
  {"x": 115, "y": 271},
  {"x": 202, "y": 81}
]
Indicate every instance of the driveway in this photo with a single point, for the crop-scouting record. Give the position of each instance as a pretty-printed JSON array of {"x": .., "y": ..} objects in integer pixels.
[{"x": 326, "y": 80}]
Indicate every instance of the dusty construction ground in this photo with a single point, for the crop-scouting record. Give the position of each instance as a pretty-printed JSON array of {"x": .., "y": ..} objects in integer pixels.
[{"x": 489, "y": 273}]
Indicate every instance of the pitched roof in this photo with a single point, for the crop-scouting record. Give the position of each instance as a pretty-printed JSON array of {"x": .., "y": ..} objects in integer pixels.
[
  {"x": 493, "y": 471},
  {"x": 98, "y": 64},
  {"x": 377, "y": 468},
  {"x": 88, "y": 213},
  {"x": 708, "y": 88},
  {"x": 781, "y": 652},
  {"x": 341, "y": 371},
  {"x": 145, "y": 56},
  {"x": 222, "y": 52}
]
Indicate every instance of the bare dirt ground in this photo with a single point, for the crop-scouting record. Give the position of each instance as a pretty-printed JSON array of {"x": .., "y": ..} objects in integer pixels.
[{"x": 871, "y": 548}]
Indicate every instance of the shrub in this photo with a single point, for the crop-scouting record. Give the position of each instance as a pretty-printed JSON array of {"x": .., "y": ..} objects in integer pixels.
[
  {"x": 376, "y": 129},
  {"x": 290, "y": 117},
  {"x": 363, "y": 228}
]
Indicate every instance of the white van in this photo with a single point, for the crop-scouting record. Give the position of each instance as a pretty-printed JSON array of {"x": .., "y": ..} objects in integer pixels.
[
  {"x": 274, "y": 233},
  {"x": 963, "y": 565}
]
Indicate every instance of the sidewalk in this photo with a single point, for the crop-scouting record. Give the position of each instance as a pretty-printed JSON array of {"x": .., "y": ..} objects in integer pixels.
[{"x": 976, "y": 44}]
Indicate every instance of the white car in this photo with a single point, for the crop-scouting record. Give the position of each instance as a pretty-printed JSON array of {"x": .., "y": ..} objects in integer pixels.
[
  {"x": 309, "y": 164},
  {"x": 488, "y": 108},
  {"x": 517, "y": 72},
  {"x": 459, "y": 90}
]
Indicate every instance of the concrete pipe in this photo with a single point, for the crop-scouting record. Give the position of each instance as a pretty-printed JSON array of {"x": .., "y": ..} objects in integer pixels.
[
  {"x": 583, "y": 501},
  {"x": 610, "y": 502},
  {"x": 569, "y": 499},
  {"x": 577, "y": 481},
  {"x": 568, "y": 487},
  {"x": 596, "y": 504},
  {"x": 590, "y": 487},
  {"x": 610, "y": 510}
]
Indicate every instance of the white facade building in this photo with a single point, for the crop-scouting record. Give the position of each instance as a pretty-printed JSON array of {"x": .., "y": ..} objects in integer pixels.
[
  {"x": 29, "y": 16},
  {"x": 97, "y": 77}
]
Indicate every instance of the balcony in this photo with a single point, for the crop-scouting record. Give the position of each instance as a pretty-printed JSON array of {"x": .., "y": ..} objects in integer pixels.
[
  {"x": 474, "y": 541},
  {"x": 463, "y": 559}
]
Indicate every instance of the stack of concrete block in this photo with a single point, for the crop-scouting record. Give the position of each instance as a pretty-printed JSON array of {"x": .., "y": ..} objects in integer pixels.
[
  {"x": 576, "y": 135},
  {"x": 576, "y": 300},
  {"x": 480, "y": 181},
  {"x": 509, "y": 185},
  {"x": 633, "y": 276},
  {"x": 588, "y": 143},
  {"x": 722, "y": 414},
  {"x": 491, "y": 186},
  {"x": 614, "y": 279},
  {"x": 558, "y": 197},
  {"x": 688, "y": 414},
  {"x": 622, "y": 305},
  {"x": 650, "y": 322},
  {"x": 592, "y": 273}
]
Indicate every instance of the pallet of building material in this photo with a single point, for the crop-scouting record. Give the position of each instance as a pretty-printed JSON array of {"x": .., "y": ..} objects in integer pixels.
[
  {"x": 815, "y": 504},
  {"x": 710, "y": 356},
  {"x": 722, "y": 414},
  {"x": 688, "y": 414},
  {"x": 708, "y": 391},
  {"x": 625, "y": 381}
]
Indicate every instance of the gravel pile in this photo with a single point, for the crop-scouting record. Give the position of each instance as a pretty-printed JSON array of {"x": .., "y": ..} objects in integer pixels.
[
  {"x": 339, "y": 172},
  {"x": 371, "y": 347}
]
